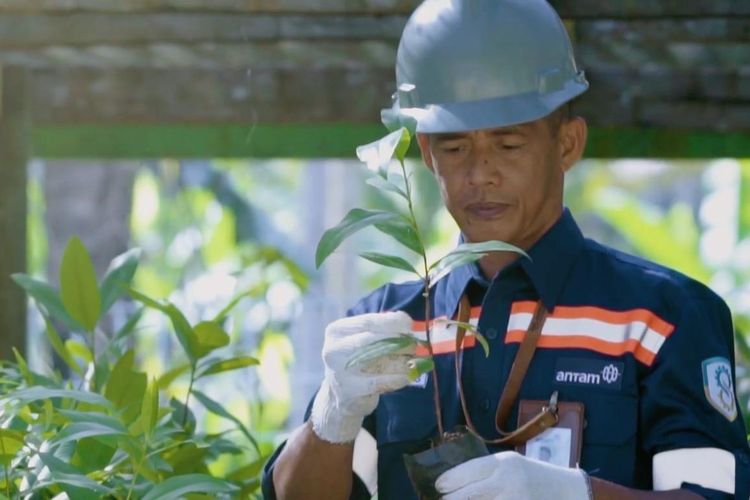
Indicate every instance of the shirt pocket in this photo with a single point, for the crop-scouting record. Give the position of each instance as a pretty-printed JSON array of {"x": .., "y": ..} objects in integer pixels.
[
  {"x": 405, "y": 416},
  {"x": 609, "y": 437},
  {"x": 404, "y": 424}
]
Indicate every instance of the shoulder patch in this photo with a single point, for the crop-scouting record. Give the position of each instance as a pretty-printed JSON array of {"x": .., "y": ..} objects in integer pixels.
[{"x": 718, "y": 386}]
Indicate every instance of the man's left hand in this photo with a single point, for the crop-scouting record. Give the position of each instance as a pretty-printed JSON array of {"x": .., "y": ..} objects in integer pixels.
[{"x": 509, "y": 475}]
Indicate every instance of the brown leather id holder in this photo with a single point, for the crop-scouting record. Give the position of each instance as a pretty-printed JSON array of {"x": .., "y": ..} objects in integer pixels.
[{"x": 560, "y": 444}]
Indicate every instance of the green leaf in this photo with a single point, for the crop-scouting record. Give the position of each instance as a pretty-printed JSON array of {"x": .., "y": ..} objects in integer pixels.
[
  {"x": 210, "y": 336},
  {"x": 71, "y": 480},
  {"x": 248, "y": 471},
  {"x": 126, "y": 387},
  {"x": 118, "y": 277},
  {"x": 10, "y": 443},
  {"x": 483, "y": 342},
  {"x": 187, "y": 458},
  {"x": 222, "y": 315},
  {"x": 377, "y": 155},
  {"x": 130, "y": 324},
  {"x": 79, "y": 290},
  {"x": 168, "y": 377},
  {"x": 473, "y": 329},
  {"x": 80, "y": 430},
  {"x": 386, "y": 185},
  {"x": 403, "y": 232},
  {"x": 381, "y": 348},
  {"x": 177, "y": 487},
  {"x": 185, "y": 334},
  {"x": 150, "y": 408},
  {"x": 216, "y": 408},
  {"x": 182, "y": 413},
  {"x": 403, "y": 145},
  {"x": 92, "y": 455},
  {"x": 390, "y": 261},
  {"x": 356, "y": 219},
  {"x": 76, "y": 416},
  {"x": 466, "y": 253},
  {"x": 79, "y": 350},
  {"x": 226, "y": 365},
  {"x": 85, "y": 483},
  {"x": 47, "y": 299},
  {"x": 418, "y": 366},
  {"x": 38, "y": 393},
  {"x": 743, "y": 219},
  {"x": 59, "y": 347},
  {"x": 23, "y": 367}
]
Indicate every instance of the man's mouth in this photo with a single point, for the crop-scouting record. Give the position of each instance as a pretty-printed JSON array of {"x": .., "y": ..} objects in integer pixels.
[{"x": 487, "y": 210}]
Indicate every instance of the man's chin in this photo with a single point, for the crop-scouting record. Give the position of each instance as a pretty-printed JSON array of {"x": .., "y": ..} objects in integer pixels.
[{"x": 490, "y": 235}]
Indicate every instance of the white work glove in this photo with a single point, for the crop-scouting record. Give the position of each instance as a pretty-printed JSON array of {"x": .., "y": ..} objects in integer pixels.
[
  {"x": 347, "y": 395},
  {"x": 509, "y": 475}
]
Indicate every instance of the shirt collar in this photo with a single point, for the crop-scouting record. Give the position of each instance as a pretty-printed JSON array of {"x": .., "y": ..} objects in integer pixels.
[{"x": 552, "y": 257}]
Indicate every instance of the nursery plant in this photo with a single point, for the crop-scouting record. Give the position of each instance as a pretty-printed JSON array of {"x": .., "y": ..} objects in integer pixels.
[
  {"x": 401, "y": 225},
  {"x": 109, "y": 430}
]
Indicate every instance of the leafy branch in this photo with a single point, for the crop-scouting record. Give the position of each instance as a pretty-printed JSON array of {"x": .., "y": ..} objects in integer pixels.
[{"x": 402, "y": 226}]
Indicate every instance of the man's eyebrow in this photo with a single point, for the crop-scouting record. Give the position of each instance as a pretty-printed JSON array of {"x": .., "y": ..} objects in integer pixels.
[
  {"x": 514, "y": 130},
  {"x": 498, "y": 132},
  {"x": 448, "y": 136}
]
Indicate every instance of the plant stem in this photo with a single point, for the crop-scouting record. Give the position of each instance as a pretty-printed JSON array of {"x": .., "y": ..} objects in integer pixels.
[
  {"x": 187, "y": 398},
  {"x": 135, "y": 473},
  {"x": 435, "y": 386},
  {"x": 427, "y": 308},
  {"x": 93, "y": 359}
]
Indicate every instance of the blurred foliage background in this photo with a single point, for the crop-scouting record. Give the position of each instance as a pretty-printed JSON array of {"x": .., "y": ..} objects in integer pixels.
[{"x": 211, "y": 228}]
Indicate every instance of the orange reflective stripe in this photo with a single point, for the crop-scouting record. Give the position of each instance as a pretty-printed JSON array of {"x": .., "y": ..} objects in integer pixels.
[
  {"x": 637, "y": 331},
  {"x": 645, "y": 316},
  {"x": 446, "y": 346},
  {"x": 583, "y": 342}
]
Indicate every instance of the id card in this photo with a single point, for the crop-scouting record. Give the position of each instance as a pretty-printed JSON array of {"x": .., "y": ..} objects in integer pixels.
[
  {"x": 558, "y": 445},
  {"x": 551, "y": 446}
]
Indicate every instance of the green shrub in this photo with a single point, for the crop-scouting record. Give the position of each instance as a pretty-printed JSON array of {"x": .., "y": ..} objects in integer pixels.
[{"x": 108, "y": 430}]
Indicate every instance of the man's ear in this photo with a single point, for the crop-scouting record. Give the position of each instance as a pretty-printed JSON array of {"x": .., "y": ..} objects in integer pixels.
[
  {"x": 424, "y": 147},
  {"x": 572, "y": 136}
]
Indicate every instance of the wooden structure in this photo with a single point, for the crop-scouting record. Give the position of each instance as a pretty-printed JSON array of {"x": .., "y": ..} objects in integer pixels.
[{"x": 304, "y": 78}]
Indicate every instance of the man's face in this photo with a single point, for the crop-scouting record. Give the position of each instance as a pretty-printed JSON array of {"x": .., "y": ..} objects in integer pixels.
[{"x": 504, "y": 183}]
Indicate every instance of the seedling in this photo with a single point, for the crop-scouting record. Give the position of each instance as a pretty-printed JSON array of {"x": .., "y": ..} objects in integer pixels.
[{"x": 402, "y": 226}]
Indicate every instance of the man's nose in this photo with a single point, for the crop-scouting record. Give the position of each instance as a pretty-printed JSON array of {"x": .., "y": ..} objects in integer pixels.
[{"x": 484, "y": 167}]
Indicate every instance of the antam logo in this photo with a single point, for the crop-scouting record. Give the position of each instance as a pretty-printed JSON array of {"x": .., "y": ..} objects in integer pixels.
[
  {"x": 579, "y": 377},
  {"x": 603, "y": 373},
  {"x": 609, "y": 375}
]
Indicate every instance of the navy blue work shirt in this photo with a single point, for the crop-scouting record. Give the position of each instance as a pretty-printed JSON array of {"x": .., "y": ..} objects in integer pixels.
[{"x": 643, "y": 347}]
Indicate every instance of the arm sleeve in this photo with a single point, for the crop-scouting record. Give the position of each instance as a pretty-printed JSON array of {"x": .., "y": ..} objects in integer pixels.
[
  {"x": 359, "y": 490},
  {"x": 688, "y": 404},
  {"x": 372, "y": 302}
]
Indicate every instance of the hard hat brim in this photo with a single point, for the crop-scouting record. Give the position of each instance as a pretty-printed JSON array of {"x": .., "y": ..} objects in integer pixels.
[{"x": 492, "y": 113}]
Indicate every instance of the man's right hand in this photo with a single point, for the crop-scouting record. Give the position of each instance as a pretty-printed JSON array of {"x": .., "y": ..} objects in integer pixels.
[{"x": 347, "y": 395}]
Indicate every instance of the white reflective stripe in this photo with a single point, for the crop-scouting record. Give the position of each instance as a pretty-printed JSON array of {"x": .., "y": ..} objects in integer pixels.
[
  {"x": 441, "y": 331},
  {"x": 365, "y": 461},
  {"x": 711, "y": 468},
  {"x": 586, "y": 327}
]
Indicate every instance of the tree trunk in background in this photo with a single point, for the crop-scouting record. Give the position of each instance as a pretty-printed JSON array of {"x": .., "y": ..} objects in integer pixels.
[
  {"x": 92, "y": 201},
  {"x": 14, "y": 156},
  {"x": 330, "y": 189}
]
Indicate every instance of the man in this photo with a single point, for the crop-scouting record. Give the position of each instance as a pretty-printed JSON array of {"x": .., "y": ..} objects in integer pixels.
[{"x": 647, "y": 351}]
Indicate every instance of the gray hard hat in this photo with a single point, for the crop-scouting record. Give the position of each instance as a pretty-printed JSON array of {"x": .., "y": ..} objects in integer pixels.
[{"x": 471, "y": 64}]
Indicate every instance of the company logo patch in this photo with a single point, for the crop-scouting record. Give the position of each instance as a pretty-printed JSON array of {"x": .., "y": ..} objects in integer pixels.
[
  {"x": 718, "y": 386},
  {"x": 589, "y": 372}
]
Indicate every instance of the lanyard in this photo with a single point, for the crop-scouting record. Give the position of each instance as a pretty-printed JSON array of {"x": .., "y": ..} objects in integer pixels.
[{"x": 547, "y": 417}]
